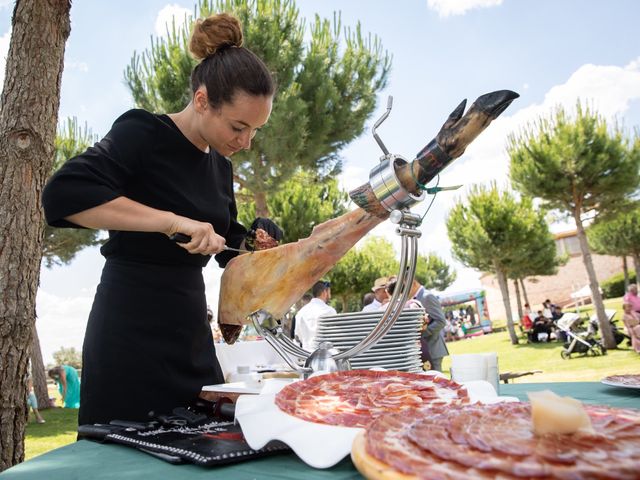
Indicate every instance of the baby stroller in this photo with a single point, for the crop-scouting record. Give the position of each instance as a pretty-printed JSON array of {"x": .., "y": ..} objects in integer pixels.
[
  {"x": 618, "y": 336},
  {"x": 578, "y": 341}
]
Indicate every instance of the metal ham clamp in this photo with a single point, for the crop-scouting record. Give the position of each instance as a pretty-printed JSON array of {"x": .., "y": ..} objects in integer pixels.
[{"x": 394, "y": 186}]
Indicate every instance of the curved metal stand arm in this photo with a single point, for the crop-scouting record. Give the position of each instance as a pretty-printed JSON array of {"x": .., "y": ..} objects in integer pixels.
[
  {"x": 281, "y": 348},
  {"x": 294, "y": 348}
]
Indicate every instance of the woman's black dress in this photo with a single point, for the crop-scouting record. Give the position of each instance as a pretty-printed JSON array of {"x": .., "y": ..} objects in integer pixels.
[{"x": 148, "y": 345}]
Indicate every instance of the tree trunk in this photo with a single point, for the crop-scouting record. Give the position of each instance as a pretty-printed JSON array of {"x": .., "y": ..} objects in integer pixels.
[
  {"x": 38, "y": 373},
  {"x": 30, "y": 102},
  {"x": 504, "y": 289},
  {"x": 524, "y": 292},
  {"x": 262, "y": 209},
  {"x": 625, "y": 269},
  {"x": 603, "y": 321},
  {"x": 636, "y": 266},
  {"x": 518, "y": 300}
]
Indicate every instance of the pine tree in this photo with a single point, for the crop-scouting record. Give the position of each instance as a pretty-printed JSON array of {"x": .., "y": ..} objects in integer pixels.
[
  {"x": 433, "y": 272},
  {"x": 490, "y": 232},
  {"x": 541, "y": 258},
  {"x": 61, "y": 245},
  {"x": 303, "y": 202},
  {"x": 618, "y": 235}
]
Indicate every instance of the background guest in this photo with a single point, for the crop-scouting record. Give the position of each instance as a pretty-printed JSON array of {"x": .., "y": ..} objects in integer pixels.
[
  {"x": 631, "y": 297},
  {"x": 68, "y": 385},
  {"x": 631, "y": 321},
  {"x": 32, "y": 401},
  {"x": 433, "y": 334},
  {"x": 380, "y": 294},
  {"x": 307, "y": 317}
]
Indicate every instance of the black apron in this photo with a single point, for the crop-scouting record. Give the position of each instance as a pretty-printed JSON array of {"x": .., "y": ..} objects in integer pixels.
[{"x": 148, "y": 345}]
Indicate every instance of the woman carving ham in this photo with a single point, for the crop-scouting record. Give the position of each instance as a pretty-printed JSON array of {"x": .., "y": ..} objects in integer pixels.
[{"x": 148, "y": 345}]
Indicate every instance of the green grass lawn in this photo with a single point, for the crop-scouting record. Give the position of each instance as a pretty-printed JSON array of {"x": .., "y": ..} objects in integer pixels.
[
  {"x": 546, "y": 357},
  {"x": 60, "y": 428}
]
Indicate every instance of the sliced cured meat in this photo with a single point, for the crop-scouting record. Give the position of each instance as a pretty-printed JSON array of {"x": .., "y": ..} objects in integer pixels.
[
  {"x": 354, "y": 398},
  {"x": 629, "y": 380},
  {"x": 385, "y": 452},
  {"x": 496, "y": 441}
]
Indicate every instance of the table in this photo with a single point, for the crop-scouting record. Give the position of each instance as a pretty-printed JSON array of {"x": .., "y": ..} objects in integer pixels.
[{"x": 85, "y": 459}]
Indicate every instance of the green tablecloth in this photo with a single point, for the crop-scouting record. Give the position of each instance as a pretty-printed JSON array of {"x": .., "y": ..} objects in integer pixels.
[
  {"x": 90, "y": 460},
  {"x": 587, "y": 392}
]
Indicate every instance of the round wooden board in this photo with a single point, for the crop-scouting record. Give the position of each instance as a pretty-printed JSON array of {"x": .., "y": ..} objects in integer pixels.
[{"x": 370, "y": 467}]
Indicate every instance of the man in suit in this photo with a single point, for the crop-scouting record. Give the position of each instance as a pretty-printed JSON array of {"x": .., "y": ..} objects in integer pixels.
[{"x": 433, "y": 335}]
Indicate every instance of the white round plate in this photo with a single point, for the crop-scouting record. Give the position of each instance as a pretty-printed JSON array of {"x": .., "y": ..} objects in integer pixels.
[
  {"x": 409, "y": 362},
  {"x": 381, "y": 346},
  {"x": 401, "y": 323},
  {"x": 364, "y": 331},
  {"x": 376, "y": 313},
  {"x": 622, "y": 382},
  {"x": 367, "y": 321},
  {"x": 377, "y": 350}
]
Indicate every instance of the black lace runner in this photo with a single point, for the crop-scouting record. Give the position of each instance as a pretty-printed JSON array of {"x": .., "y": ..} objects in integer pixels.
[{"x": 209, "y": 444}]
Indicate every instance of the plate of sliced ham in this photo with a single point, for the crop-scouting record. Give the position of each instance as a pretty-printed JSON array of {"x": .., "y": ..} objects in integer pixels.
[
  {"x": 497, "y": 441},
  {"x": 624, "y": 381}
]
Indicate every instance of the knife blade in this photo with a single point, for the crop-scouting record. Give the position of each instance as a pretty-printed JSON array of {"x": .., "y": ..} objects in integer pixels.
[{"x": 182, "y": 238}]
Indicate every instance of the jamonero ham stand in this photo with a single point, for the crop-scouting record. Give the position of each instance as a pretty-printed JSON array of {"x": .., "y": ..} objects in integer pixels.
[{"x": 397, "y": 200}]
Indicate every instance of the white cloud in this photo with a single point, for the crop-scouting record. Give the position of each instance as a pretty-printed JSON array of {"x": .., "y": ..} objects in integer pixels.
[
  {"x": 446, "y": 8},
  {"x": 167, "y": 15},
  {"x": 6, "y": 3},
  {"x": 634, "y": 65},
  {"x": 4, "y": 51}
]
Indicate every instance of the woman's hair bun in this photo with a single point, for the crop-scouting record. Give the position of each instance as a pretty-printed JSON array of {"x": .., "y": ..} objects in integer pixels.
[{"x": 213, "y": 33}]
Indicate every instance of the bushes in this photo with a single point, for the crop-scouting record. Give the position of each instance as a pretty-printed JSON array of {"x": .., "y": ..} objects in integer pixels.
[{"x": 613, "y": 287}]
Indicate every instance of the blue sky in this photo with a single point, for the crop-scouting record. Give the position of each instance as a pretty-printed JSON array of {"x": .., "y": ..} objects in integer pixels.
[{"x": 551, "y": 52}]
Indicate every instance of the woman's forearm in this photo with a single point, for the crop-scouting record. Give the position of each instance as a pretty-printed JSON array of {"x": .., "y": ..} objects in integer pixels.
[{"x": 125, "y": 214}]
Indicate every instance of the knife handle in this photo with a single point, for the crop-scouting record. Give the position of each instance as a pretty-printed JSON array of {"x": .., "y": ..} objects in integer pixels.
[
  {"x": 180, "y": 238},
  {"x": 228, "y": 411}
]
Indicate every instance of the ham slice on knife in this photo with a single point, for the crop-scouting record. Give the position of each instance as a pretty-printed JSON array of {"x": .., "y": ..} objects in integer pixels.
[{"x": 276, "y": 278}]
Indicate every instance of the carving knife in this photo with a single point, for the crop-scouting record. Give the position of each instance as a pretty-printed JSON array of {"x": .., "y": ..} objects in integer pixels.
[{"x": 182, "y": 238}]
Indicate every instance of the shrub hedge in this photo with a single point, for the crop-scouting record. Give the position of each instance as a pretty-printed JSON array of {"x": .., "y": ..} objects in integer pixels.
[{"x": 613, "y": 286}]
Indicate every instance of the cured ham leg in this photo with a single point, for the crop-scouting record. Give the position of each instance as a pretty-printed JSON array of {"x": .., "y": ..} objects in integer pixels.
[{"x": 276, "y": 278}]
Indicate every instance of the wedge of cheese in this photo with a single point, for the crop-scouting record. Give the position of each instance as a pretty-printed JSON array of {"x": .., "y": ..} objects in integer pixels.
[{"x": 553, "y": 414}]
